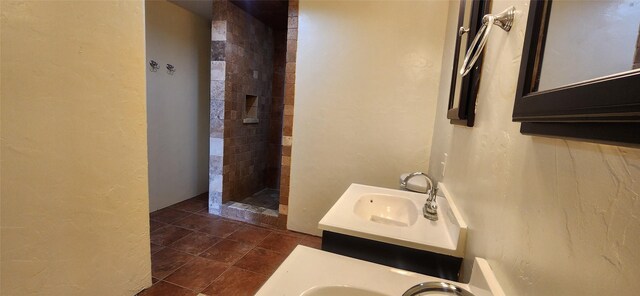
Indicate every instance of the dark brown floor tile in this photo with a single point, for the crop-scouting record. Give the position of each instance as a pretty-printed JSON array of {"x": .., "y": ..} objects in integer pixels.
[
  {"x": 249, "y": 234},
  {"x": 260, "y": 260},
  {"x": 155, "y": 248},
  {"x": 236, "y": 282},
  {"x": 166, "y": 289},
  {"x": 167, "y": 261},
  {"x": 203, "y": 196},
  {"x": 279, "y": 242},
  {"x": 197, "y": 274},
  {"x": 313, "y": 242},
  {"x": 206, "y": 212},
  {"x": 155, "y": 225},
  {"x": 168, "y": 235},
  {"x": 154, "y": 280},
  {"x": 195, "y": 243},
  {"x": 196, "y": 221},
  {"x": 191, "y": 205},
  {"x": 221, "y": 228},
  {"x": 226, "y": 251},
  {"x": 296, "y": 234},
  {"x": 168, "y": 215}
]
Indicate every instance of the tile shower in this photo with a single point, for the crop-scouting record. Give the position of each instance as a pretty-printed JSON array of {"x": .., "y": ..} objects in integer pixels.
[{"x": 248, "y": 62}]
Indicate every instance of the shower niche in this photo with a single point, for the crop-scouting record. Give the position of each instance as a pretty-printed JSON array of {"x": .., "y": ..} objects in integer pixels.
[{"x": 250, "y": 109}]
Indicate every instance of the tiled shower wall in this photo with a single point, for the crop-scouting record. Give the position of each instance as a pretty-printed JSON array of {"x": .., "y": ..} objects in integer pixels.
[
  {"x": 242, "y": 64},
  {"x": 277, "y": 106},
  {"x": 289, "y": 95}
]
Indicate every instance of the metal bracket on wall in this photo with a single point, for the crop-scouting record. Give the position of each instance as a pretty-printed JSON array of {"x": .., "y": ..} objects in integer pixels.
[
  {"x": 154, "y": 65},
  {"x": 504, "y": 20},
  {"x": 171, "y": 69}
]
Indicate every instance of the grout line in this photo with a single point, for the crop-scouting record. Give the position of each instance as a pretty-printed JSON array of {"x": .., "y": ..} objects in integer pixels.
[
  {"x": 220, "y": 237},
  {"x": 243, "y": 255},
  {"x": 209, "y": 284},
  {"x": 192, "y": 290},
  {"x": 181, "y": 219},
  {"x": 268, "y": 275},
  {"x": 262, "y": 274},
  {"x": 173, "y": 271},
  {"x": 198, "y": 254},
  {"x": 264, "y": 238},
  {"x": 226, "y": 270},
  {"x": 165, "y": 226},
  {"x": 177, "y": 239},
  {"x": 233, "y": 262}
]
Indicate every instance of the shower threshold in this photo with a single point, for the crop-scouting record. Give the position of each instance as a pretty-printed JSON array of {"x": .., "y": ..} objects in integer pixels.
[{"x": 264, "y": 202}]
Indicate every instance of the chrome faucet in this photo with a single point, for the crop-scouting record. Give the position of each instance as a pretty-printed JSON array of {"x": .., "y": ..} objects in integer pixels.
[{"x": 430, "y": 209}]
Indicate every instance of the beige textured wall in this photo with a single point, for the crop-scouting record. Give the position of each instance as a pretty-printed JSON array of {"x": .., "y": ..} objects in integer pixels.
[
  {"x": 74, "y": 208},
  {"x": 366, "y": 85},
  {"x": 178, "y": 104},
  {"x": 553, "y": 217}
]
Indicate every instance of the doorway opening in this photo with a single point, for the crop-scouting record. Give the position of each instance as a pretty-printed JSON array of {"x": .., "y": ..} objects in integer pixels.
[{"x": 253, "y": 50}]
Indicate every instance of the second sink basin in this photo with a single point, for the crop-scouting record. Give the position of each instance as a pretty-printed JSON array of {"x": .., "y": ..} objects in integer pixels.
[
  {"x": 311, "y": 272},
  {"x": 340, "y": 291},
  {"x": 386, "y": 209}
]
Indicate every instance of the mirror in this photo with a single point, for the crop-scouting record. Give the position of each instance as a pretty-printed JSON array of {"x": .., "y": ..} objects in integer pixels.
[
  {"x": 463, "y": 91},
  {"x": 577, "y": 50},
  {"x": 579, "y": 75}
]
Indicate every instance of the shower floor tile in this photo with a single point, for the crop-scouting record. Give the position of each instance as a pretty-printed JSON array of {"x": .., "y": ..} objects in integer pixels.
[
  {"x": 240, "y": 260},
  {"x": 266, "y": 198}
]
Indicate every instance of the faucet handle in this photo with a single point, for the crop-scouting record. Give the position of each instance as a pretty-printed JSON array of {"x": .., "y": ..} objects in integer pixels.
[{"x": 430, "y": 209}]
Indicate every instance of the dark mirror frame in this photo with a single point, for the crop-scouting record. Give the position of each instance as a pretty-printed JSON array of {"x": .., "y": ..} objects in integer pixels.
[
  {"x": 464, "y": 114},
  {"x": 602, "y": 110}
]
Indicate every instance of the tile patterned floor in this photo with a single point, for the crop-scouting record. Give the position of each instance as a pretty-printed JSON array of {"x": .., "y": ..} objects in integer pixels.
[{"x": 195, "y": 253}]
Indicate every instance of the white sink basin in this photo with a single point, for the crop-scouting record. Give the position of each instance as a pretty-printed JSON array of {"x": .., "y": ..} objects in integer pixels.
[
  {"x": 386, "y": 209},
  {"x": 340, "y": 291},
  {"x": 395, "y": 217},
  {"x": 311, "y": 272}
]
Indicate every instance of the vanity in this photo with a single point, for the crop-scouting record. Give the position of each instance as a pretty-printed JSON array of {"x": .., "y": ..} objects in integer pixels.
[
  {"x": 386, "y": 226},
  {"x": 311, "y": 272}
]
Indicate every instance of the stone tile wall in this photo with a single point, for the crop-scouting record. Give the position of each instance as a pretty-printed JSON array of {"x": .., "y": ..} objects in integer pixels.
[
  {"x": 289, "y": 94},
  {"x": 249, "y": 58},
  {"x": 236, "y": 36},
  {"x": 277, "y": 106},
  {"x": 216, "y": 114},
  {"x": 244, "y": 157}
]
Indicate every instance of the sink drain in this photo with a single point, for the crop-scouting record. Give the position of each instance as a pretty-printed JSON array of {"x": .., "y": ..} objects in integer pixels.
[{"x": 436, "y": 288}]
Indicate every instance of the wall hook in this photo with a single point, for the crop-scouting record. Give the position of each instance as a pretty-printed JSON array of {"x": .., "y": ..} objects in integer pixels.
[
  {"x": 170, "y": 69},
  {"x": 154, "y": 65},
  {"x": 462, "y": 31}
]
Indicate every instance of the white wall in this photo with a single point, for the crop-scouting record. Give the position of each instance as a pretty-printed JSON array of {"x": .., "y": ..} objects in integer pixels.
[
  {"x": 178, "y": 104},
  {"x": 74, "y": 207},
  {"x": 553, "y": 217},
  {"x": 367, "y": 78}
]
